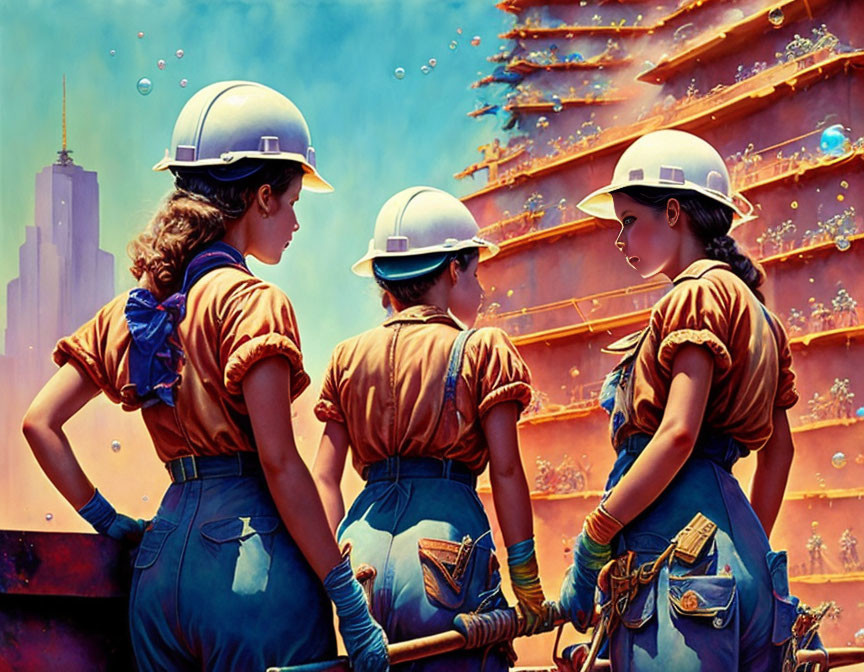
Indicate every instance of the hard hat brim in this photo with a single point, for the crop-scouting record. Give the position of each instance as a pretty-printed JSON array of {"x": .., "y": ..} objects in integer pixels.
[
  {"x": 406, "y": 268},
  {"x": 312, "y": 179},
  {"x": 599, "y": 202},
  {"x": 364, "y": 269}
]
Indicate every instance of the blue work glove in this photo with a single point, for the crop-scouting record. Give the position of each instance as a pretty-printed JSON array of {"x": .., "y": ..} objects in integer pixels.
[
  {"x": 580, "y": 581},
  {"x": 364, "y": 639},
  {"x": 105, "y": 520}
]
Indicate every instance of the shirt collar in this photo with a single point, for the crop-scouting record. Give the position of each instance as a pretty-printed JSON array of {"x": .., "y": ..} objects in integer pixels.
[
  {"x": 422, "y": 314},
  {"x": 699, "y": 268}
]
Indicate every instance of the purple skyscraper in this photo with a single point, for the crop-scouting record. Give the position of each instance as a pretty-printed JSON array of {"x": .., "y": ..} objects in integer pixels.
[{"x": 63, "y": 275}]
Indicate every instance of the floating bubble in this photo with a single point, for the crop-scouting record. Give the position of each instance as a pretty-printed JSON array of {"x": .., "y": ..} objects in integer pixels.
[
  {"x": 834, "y": 141},
  {"x": 562, "y": 203},
  {"x": 425, "y": 69},
  {"x": 838, "y": 460},
  {"x": 574, "y": 372},
  {"x": 115, "y": 446},
  {"x": 144, "y": 86},
  {"x": 844, "y": 184},
  {"x": 453, "y": 44},
  {"x": 794, "y": 205},
  {"x": 183, "y": 83},
  {"x": 841, "y": 197},
  {"x": 399, "y": 73},
  {"x": 49, "y": 516},
  {"x": 433, "y": 62},
  {"x": 458, "y": 31},
  {"x": 140, "y": 35},
  {"x": 145, "y": 498},
  {"x": 812, "y": 280},
  {"x": 509, "y": 292},
  {"x": 860, "y": 412},
  {"x": 842, "y": 243},
  {"x": 475, "y": 41},
  {"x": 776, "y": 17},
  {"x": 542, "y": 122},
  {"x": 557, "y": 105},
  {"x": 113, "y": 52},
  {"x": 160, "y": 64},
  {"x": 179, "y": 53}
]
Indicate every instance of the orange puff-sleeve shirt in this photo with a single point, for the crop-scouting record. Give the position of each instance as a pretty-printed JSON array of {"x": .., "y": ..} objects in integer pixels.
[
  {"x": 712, "y": 307},
  {"x": 233, "y": 320},
  {"x": 387, "y": 387}
]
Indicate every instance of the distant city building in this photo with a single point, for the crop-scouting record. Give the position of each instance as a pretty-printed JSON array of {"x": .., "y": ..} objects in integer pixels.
[{"x": 63, "y": 275}]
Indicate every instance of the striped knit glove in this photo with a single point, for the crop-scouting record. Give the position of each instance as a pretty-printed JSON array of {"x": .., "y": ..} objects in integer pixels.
[
  {"x": 522, "y": 561},
  {"x": 593, "y": 550}
]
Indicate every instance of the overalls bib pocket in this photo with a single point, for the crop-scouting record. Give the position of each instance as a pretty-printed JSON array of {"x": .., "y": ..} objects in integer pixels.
[
  {"x": 785, "y": 607},
  {"x": 153, "y": 541},
  {"x": 244, "y": 543}
]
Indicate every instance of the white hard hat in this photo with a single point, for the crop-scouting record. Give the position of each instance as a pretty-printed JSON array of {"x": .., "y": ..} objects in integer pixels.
[
  {"x": 674, "y": 160},
  {"x": 229, "y": 121},
  {"x": 417, "y": 229}
]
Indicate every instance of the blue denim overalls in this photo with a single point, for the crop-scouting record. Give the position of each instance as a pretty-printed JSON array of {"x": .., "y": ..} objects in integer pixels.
[
  {"x": 730, "y": 609},
  {"x": 218, "y": 582},
  {"x": 421, "y": 525}
]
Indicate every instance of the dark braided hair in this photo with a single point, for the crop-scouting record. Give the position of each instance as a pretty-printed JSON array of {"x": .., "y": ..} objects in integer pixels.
[{"x": 710, "y": 221}]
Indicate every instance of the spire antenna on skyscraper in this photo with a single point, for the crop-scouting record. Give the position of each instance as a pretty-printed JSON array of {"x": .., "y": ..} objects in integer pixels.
[{"x": 65, "y": 159}]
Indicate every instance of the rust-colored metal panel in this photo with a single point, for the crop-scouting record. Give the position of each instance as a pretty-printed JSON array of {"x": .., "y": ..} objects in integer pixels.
[{"x": 63, "y": 602}]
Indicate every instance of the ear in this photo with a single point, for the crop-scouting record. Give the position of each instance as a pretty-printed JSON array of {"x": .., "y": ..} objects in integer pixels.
[
  {"x": 454, "y": 272},
  {"x": 264, "y": 199},
  {"x": 673, "y": 211}
]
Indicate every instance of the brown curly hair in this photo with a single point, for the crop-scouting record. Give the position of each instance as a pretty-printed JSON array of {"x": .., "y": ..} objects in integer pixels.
[{"x": 194, "y": 215}]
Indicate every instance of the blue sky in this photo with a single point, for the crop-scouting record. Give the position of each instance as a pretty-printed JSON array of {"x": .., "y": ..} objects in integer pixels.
[{"x": 374, "y": 135}]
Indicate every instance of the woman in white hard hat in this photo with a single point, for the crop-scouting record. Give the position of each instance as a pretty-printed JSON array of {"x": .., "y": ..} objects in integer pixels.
[
  {"x": 424, "y": 404},
  {"x": 707, "y": 382},
  {"x": 229, "y": 573}
]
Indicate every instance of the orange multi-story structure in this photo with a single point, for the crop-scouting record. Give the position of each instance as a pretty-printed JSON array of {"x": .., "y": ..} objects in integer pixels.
[{"x": 778, "y": 88}]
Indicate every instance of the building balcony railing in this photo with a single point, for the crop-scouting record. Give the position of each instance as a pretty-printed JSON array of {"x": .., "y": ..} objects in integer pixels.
[
  {"x": 723, "y": 103},
  {"x": 722, "y": 40}
]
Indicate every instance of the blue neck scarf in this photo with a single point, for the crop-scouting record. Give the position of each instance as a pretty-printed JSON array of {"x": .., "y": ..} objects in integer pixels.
[{"x": 155, "y": 354}]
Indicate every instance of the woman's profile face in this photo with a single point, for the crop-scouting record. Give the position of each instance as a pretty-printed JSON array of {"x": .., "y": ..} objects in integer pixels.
[
  {"x": 467, "y": 294},
  {"x": 272, "y": 235},
  {"x": 646, "y": 239}
]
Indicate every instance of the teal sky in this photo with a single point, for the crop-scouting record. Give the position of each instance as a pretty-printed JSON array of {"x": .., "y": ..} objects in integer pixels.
[{"x": 374, "y": 135}]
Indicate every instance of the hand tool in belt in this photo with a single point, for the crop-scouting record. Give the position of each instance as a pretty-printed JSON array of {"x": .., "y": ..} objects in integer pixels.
[
  {"x": 625, "y": 582},
  {"x": 472, "y": 631}
]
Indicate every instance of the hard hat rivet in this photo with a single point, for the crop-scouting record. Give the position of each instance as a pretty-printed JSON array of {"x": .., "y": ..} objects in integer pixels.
[{"x": 227, "y": 156}]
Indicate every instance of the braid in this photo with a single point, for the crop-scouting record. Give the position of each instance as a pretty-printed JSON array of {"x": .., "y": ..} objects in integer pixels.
[{"x": 724, "y": 248}]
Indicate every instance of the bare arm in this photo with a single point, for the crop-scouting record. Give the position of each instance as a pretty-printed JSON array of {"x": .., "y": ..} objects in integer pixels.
[
  {"x": 509, "y": 487},
  {"x": 328, "y": 469},
  {"x": 772, "y": 472},
  {"x": 63, "y": 396},
  {"x": 266, "y": 390},
  {"x": 673, "y": 443}
]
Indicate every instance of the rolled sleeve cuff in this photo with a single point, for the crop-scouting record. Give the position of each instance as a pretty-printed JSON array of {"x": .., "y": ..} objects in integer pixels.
[
  {"x": 518, "y": 391},
  {"x": 326, "y": 410},
  {"x": 68, "y": 351},
  {"x": 262, "y": 347},
  {"x": 672, "y": 343},
  {"x": 787, "y": 398}
]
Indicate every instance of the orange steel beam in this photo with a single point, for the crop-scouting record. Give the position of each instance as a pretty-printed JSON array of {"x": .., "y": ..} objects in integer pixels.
[
  {"x": 573, "y": 31},
  {"x": 731, "y": 106},
  {"x": 725, "y": 41},
  {"x": 546, "y": 106},
  {"x": 511, "y": 245},
  {"x": 798, "y": 253},
  {"x": 638, "y": 317},
  {"x": 840, "y": 335},
  {"x": 848, "y": 577},
  {"x": 833, "y": 494}
]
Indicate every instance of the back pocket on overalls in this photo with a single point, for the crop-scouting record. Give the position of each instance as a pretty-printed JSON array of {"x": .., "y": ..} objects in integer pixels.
[
  {"x": 246, "y": 542},
  {"x": 447, "y": 569},
  {"x": 704, "y": 609},
  {"x": 153, "y": 541}
]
